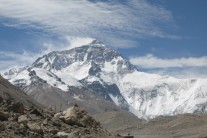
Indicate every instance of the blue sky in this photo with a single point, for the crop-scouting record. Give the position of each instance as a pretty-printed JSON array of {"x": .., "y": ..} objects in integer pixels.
[{"x": 165, "y": 37}]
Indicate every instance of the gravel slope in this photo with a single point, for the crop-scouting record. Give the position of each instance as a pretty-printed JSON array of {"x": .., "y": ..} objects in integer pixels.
[{"x": 179, "y": 126}]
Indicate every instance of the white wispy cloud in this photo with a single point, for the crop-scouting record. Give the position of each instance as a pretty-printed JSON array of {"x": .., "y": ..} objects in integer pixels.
[
  {"x": 183, "y": 73},
  {"x": 184, "y": 67},
  {"x": 10, "y": 59},
  {"x": 151, "y": 61},
  {"x": 82, "y": 18},
  {"x": 15, "y": 60},
  {"x": 70, "y": 42},
  {"x": 77, "y": 41}
]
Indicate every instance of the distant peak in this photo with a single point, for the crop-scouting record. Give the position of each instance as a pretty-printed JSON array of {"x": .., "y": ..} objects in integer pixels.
[{"x": 97, "y": 42}]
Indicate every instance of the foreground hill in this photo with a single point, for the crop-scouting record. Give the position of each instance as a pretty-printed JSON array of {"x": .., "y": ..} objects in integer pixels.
[
  {"x": 21, "y": 116},
  {"x": 11, "y": 92}
]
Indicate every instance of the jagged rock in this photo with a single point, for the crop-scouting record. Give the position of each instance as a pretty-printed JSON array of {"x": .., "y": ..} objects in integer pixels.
[
  {"x": 34, "y": 127},
  {"x": 14, "y": 117},
  {"x": 55, "y": 122},
  {"x": 63, "y": 134},
  {"x": 36, "y": 112},
  {"x": 34, "y": 135},
  {"x": 45, "y": 122},
  {"x": 9, "y": 126},
  {"x": 1, "y": 99},
  {"x": 4, "y": 116},
  {"x": 53, "y": 131},
  {"x": 22, "y": 119},
  {"x": 17, "y": 107},
  {"x": 57, "y": 115},
  {"x": 32, "y": 73},
  {"x": 22, "y": 130},
  {"x": 2, "y": 127},
  {"x": 77, "y": 116},
  {"x": 34, "y": 117}
]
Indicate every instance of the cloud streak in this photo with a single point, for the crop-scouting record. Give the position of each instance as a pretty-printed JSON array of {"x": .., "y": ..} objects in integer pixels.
[
  {"x": 10, "y": 60},
  {"x": 184, "y": 67},
  {"x": 151, "y": 61},
  {"x": 188, "y": 72},
  {"x": 125, "y": 19}
]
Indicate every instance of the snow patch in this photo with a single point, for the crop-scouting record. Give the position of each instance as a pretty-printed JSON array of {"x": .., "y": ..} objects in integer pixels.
[
  {"x": 78, "y": 70},
  {"x": 50, "y": 78},
  {"x": 115, "y": 99}
]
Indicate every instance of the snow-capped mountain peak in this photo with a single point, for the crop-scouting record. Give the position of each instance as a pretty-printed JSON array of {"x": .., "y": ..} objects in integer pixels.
[
  {"x": 107, "y": 72},
  {"x": 94, "y": 53}
]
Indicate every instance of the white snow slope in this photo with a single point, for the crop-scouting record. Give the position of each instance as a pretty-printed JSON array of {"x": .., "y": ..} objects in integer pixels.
[{"x": 147, "y": 95}]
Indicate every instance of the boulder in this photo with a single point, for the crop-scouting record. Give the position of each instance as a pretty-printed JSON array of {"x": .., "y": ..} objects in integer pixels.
[
  {"x": 45, "y": 122},
  {"x": 63, "y": 134},
  {"x": 34, "y": 117},
  {"x": 56, "y": 122},
  {"x": 2, "y": 127},
  {"x": 4, "y": 116},
  {"x": 77, "y": 116},
  {"x": 34, "y": 127},
  {"x": 22, "y": 119},
  {"x": 53, "y": 131}
]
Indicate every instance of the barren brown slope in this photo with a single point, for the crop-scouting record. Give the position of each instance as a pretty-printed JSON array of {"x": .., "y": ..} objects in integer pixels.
[
  {"x": 9, "y": 91},
  {"x": 50, "y": 96},
  {"x": 179, "y": 126}
]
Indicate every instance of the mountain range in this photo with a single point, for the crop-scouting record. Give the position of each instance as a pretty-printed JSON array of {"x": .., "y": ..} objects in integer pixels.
[{"x": 100, "y": 79}]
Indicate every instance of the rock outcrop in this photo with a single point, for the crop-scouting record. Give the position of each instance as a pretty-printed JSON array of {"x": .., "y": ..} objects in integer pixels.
[
  {"x": 32, "y": 123},
  {"x": 77, "y": 116}
]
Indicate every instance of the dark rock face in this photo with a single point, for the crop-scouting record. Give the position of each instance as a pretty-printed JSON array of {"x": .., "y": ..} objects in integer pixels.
[
  {"x": 4, "y": 116},
  {"x": 2, "y": 127},
  {"x": 95, "y": 69},
  {"x": 36, "y": 112},
  {"x": 1, "y": 99},
  {"x": 105, "y": 90},
  {"x": 16, "y": 107}
]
